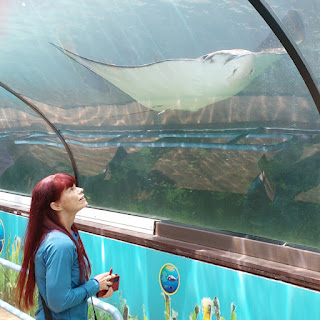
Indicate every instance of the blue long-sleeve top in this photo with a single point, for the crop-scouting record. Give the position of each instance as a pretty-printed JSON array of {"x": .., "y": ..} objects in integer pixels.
[{"x": 57, "y": 277}]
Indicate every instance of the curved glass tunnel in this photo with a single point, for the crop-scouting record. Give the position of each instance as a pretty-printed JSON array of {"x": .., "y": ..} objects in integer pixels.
[{"x": 186, "y": 111}]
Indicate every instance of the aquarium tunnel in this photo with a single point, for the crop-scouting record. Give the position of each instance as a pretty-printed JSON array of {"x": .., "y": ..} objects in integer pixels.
[{"x": 193, "y": 128}]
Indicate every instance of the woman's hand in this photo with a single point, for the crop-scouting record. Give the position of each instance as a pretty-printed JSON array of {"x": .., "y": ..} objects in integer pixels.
[
  {"x": 108, "y": 294},
  {"x": 104, "y": 281}
]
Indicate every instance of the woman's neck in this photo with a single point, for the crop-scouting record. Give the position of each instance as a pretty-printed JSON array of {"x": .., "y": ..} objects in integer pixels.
[{"x": 67, "y": 220}]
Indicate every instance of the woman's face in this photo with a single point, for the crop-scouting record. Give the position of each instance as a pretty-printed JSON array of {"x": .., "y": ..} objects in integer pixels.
[{"x": 72, "y": 200}]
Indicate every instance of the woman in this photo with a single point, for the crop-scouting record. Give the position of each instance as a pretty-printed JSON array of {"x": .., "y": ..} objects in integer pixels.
[{"x": 54, "y": 256}]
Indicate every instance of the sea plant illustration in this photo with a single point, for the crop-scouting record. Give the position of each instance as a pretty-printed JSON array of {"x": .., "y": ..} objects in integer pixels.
[
  {"x": 8, "y": 277},
  {"x": 101, "y": 315},
  {"x": 169, "y": 314},
  {"x": 213, "y": 306},
  {"x": 209, "y": 306}
]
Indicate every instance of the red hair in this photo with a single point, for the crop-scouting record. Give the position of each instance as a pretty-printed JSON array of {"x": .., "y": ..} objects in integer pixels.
[{"x": 43, "y": 219}]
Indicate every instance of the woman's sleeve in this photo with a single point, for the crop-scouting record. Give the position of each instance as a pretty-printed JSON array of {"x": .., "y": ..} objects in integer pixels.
[{"x": 60, "y": 255}]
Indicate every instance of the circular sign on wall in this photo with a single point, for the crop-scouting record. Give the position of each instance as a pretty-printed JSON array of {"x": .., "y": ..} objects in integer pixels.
[
  {"x": 169, "y": 278},
  {"x": 1, "y": 236}
]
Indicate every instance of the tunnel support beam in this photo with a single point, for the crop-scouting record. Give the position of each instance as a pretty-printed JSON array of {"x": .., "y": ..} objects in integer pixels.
[
  {"x": 50, "y": 124},
  {"x": 288, "y": 43}
]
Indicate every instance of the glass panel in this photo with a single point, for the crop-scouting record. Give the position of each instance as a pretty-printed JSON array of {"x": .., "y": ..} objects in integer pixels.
[
  {"x": 309, "y": 12},
  {"x": 184, "y": 110},
  {"x": 22, "y": 162}
]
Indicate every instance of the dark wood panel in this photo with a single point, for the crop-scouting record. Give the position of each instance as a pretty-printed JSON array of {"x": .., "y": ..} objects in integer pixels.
[{"x": 237, "y": 261}]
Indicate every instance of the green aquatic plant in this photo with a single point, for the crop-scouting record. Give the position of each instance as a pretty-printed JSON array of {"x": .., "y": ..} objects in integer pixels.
[
  {"x": 174, "y": 315},
  {"x": 101, "y": 315},
  {"x": 144, "y": 313},
  {"x": 125, "y": 313},
  {"x": 8, "y": 277},
  {"x": 216, "y": 306},
  {"x": 207, "y": 305},
  {"x": 194, "y": 314},
  {"x": 169, "y": 313},
  {"x": 124, "y": 308},
  {"x": 167, "y": 302},
  {"x": 233, "y": 314},
  {"x": 145, "y": 152}
]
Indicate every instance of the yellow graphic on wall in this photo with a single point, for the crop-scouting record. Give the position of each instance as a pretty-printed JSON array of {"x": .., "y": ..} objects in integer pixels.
[{"x": 169, "y": 278}]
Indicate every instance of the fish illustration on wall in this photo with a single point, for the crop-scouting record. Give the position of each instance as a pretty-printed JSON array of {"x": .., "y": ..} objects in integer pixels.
[
  {"x": 191, "y": 84},
  {"x": 172, "y": 278}
]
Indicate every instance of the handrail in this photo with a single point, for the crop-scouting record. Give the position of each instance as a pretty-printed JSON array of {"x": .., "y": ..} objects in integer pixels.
[
  {"x": 106, "y": 307},
  {"x": 18, "y": 313},
  {"x": 113, "y": 311}
]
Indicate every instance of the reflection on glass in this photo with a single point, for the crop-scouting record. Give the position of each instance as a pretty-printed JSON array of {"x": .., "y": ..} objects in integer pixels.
[
  {"x": 22, "y": 165},
  {"x": 309, "y": 13},
  {"x": 196, "y": 114}
]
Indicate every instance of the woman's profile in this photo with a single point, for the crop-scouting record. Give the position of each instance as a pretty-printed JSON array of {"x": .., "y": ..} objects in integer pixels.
[{"x": 54, "y": 256}]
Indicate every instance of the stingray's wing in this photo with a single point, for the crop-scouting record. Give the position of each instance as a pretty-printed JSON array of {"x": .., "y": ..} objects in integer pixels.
[
  {"x": 154, "y": 84},
  {"x": 266, "y": 58}
]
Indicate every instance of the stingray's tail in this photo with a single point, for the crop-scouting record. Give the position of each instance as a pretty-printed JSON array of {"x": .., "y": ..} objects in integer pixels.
[{"x": 294, "y": 25}]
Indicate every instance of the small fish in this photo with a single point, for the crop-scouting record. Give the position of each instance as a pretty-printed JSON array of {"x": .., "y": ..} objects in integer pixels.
[
  {"x": 170, "y": 288},
  {"x": 172, "y": 278}
]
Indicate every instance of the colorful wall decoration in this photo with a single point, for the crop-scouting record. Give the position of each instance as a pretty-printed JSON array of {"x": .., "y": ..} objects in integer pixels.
[
  {"x": 2, "y": 236},
  {"x": 155, "y": 285}
]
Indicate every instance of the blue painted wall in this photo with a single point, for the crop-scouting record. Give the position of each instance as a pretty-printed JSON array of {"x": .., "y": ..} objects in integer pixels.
[{"x": 255, "y": 298}]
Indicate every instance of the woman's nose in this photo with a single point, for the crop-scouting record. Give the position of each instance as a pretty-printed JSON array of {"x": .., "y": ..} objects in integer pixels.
[{"x": 80, "y": 190}]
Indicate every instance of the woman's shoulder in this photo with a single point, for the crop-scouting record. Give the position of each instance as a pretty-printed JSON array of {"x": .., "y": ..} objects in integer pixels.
[
  {"x": 57, "y": 239},
  {"x": 56, "y": 245}
]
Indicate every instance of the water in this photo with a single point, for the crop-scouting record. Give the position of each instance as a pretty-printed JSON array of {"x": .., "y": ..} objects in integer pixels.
[{"x": 263, "y": 189}]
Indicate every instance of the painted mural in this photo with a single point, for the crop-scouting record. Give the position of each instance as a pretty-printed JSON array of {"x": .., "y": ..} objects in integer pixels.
[
  {"x": 159, "y": 286},
  {"x": 2, "y": 236}
]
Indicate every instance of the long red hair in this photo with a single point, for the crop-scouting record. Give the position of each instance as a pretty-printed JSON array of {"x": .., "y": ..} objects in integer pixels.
[{"x": 43, "y": 219}]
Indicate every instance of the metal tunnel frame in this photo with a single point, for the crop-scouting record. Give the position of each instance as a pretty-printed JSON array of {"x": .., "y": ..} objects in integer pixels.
[
  {"x": 51, "y": 125},
  {"x": 288, "y": 43}
]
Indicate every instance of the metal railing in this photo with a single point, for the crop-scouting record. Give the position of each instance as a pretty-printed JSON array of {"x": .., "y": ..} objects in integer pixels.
[{"x": 106, "y": 307}]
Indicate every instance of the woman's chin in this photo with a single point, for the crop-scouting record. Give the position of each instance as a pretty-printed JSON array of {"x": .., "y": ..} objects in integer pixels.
[{"x": 85, "y": 203}]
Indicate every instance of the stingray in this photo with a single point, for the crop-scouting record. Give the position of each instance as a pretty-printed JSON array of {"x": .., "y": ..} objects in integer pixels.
[{"x": 190, "y": 84}]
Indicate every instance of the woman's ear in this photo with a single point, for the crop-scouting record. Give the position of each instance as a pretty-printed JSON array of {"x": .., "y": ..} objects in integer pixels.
[{"x": 55, "y": 206}]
